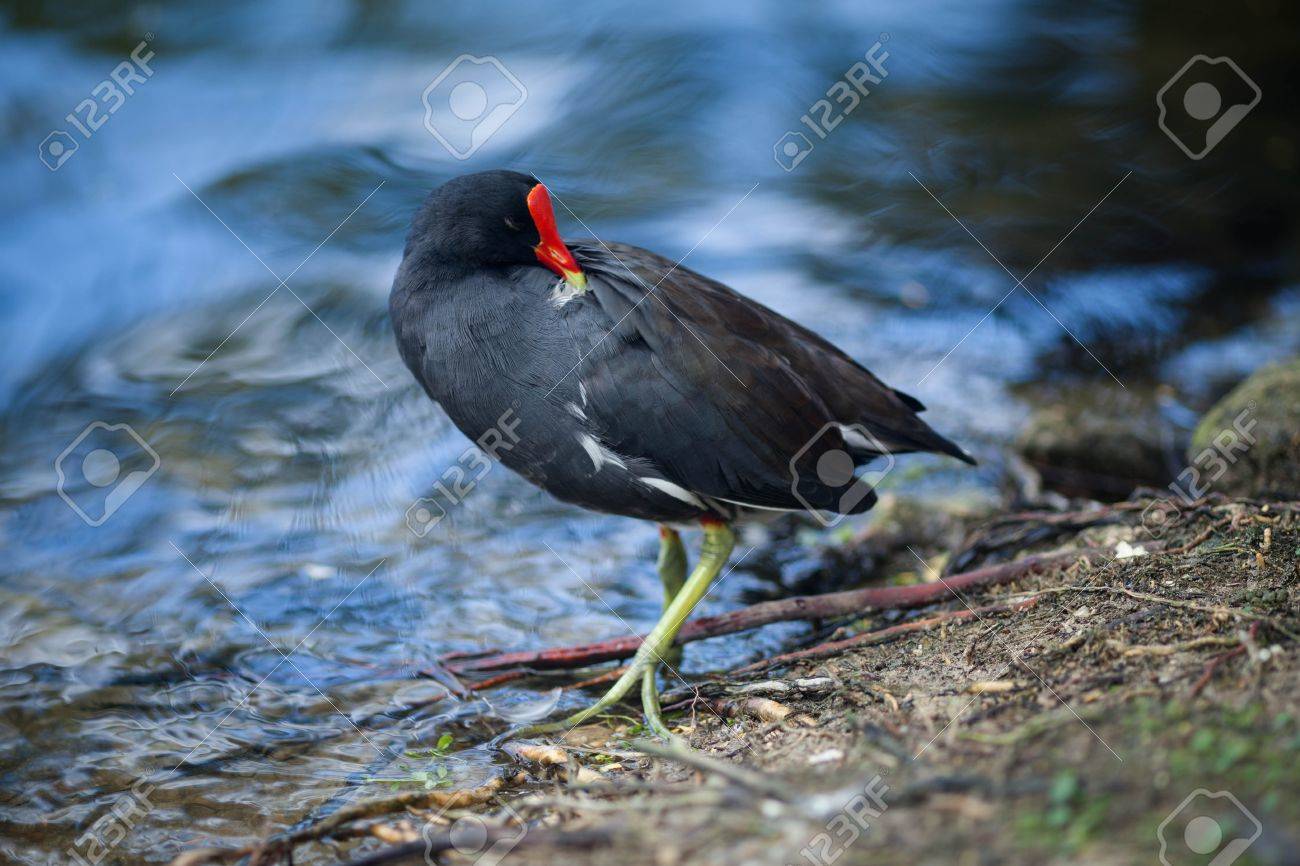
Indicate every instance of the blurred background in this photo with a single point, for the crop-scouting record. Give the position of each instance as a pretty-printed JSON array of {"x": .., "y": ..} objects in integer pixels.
[{"x": 286, "y": 442}]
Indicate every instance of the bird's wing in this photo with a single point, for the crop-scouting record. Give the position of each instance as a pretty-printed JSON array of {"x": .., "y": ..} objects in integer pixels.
[{"x": 721, "y": 392}]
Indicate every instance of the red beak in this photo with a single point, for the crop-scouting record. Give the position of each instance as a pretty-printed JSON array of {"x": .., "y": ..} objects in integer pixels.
[{"x": 551, "y": 251}]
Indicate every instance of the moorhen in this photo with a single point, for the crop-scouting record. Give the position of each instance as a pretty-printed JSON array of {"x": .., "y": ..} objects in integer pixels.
[{"x": 634, "y": 386}]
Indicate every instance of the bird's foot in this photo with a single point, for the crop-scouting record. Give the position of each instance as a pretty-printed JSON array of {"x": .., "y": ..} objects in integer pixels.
[
  {"x": 642, "y": 669},
  {"x": 718, "y": 543},
  {"x": 654, "y": 717}
]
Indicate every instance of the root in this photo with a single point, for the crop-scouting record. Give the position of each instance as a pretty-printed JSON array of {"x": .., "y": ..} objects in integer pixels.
[{"x": 810, "y": 607}]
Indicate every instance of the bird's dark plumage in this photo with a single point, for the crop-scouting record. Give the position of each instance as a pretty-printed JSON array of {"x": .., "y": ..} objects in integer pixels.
[{"x": 653, "y": 391}]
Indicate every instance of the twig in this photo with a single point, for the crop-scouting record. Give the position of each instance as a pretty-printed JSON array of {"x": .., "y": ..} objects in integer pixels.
[
  {"x": 600, "y": 679},
  {"x": 510, "y": 676},
  {"x": 1213, "y": 664},
  {"x": 415, "y": 852},
  {"x": 1199, "y": 539},
  {"x": 500, "y": 679},
  {"x": 1032, "y": 728},
  {"x": 883, "y": 635},
  {"x": 277, "y": 846},
  {"x": 748, "y": 779},
  {"x": 1171, "y": 648},
  {"x": 665, "y": 799},
  {"x": 1172, "y": 602},
  {"x": 439, "y": 672},
  {"x": 807, "y": 607},
  {"x": 403, "y": 802}
]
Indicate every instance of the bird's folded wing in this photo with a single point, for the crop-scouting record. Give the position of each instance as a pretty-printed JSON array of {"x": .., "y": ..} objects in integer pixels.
[{"x": 721, "y": 392}]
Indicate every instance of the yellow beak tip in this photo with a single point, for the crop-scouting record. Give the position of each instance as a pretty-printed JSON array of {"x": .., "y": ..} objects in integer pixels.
[{"x": 577, "y": 280}]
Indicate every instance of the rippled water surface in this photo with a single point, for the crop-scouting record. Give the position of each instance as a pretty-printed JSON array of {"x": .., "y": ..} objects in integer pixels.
[{"x": 241, "y": 633}]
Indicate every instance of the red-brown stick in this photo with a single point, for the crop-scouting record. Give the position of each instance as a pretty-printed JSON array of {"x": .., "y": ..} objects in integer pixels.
[
  {"x": 830, "y": 648},
  {"x": 1212, "y": 665},
  {"x": 807, "y": 607},
  {"x": 498, "y": 680}
]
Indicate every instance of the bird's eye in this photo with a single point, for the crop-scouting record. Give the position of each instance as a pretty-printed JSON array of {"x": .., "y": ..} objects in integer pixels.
[{"x": 511, "y": 224}]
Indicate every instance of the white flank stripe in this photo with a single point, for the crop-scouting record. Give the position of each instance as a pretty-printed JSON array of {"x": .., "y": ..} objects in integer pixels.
[
  {"x": 757, "y": 507},
  {"x": 592, "y": 447},
  {"x": 599, "y": 454}
]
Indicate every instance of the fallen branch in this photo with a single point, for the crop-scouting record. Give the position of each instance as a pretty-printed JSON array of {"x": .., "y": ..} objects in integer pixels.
[
  {"x": 337, "y": 823},
  {"x": 883, "y": 635},
  {"x": 807, "y": 607},
  {"x": 516, "y": 838}
]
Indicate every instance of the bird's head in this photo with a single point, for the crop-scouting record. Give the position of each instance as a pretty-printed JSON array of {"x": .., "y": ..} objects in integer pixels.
[{"x": 495, "y": 218}]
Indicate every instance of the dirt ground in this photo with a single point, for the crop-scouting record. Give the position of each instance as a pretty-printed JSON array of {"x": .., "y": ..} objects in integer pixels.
[{"x": 1065, "y": 724}]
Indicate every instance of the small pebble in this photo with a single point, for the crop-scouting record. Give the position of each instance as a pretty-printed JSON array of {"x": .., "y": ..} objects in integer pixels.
[
  {"x": 1124, "y": 550},
  {"x": 825, "y": 757}
]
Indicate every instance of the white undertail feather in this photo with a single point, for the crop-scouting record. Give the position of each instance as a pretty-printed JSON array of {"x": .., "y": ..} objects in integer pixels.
[
  {"x": 854, "y": 437},
  {"x": 674, "y": 490}
]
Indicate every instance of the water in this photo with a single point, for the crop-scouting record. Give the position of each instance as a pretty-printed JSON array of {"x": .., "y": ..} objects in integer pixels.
[{"x": 290, "y": 442}]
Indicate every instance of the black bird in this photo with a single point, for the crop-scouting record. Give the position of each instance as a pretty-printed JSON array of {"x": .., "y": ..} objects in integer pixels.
[{"x": 629, "y": 384}]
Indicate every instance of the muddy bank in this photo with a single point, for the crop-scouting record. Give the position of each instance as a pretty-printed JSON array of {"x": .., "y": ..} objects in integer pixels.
[{"x": 1060, "y": 717}]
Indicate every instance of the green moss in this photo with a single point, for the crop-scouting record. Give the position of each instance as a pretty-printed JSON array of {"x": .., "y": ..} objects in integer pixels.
[
  {"x": 1246, "y": 749},
  {"x": 1070, "y": 820},
  {"x": 1262, "y": 414}
]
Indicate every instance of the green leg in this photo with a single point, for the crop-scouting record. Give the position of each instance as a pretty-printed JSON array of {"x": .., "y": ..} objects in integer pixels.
[
  {"x": 718, "y": 543},
  {"x": 654, "y": 716},
  {"x": 672, "y": 571}
]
